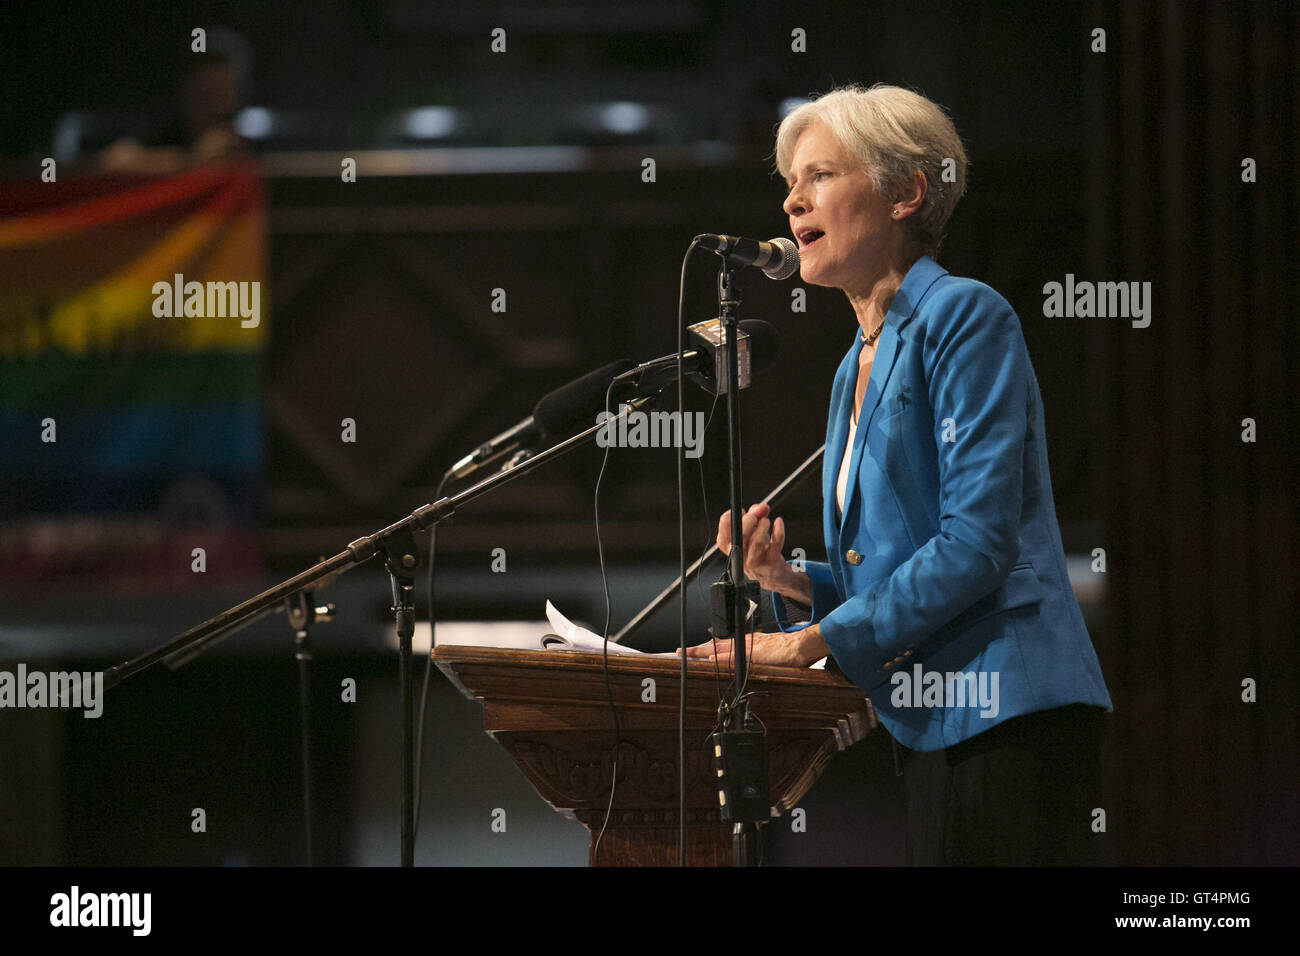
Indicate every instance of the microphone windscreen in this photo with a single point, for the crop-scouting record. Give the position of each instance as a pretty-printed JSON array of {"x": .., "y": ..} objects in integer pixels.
[
  {"x": 764, "y": 344},
  {"x": 788, "y": 262},
  {"x": 578, "y": 402}
]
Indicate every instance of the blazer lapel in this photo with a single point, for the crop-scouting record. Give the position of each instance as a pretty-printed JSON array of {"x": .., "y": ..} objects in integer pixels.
[
  {"x": 837, "y": 431},
  {"x": 882, "y": 366},
  {"x": 837, "y": 436},
  {"x": 923, "y": 274}
]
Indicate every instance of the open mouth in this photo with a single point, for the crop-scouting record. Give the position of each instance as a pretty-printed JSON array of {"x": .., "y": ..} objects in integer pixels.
[{"x": 811, "y": 236}]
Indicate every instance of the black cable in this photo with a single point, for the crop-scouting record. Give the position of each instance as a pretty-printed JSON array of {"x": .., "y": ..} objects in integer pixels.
[
  {"x": 604, "y": 655},
  {"x": 704, "y": 504},
  {"x": 750, "y": 616},
  {"x": 704, "y": 501}
]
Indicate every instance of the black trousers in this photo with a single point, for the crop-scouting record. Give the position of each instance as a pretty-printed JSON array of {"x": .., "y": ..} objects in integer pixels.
[{"x": 1019, "y": 794}]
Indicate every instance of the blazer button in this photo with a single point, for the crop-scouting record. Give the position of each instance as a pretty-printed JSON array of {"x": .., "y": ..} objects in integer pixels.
[
  {"x": 888, "y": 664},
  {"x": 852, "y": 557}
]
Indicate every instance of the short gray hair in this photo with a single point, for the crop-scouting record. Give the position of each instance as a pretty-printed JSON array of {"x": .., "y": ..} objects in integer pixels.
[{"x": 892, "y": 133}]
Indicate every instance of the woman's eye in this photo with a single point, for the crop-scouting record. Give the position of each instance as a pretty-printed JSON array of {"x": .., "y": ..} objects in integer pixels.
[{"x": 820, "y": 174}]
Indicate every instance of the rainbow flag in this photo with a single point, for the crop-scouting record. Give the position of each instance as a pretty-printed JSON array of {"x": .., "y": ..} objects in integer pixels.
[{"x": 133, "y": 315}]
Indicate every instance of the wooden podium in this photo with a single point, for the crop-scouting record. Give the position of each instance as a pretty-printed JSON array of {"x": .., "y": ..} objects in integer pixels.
[{"x": 551, "y": 712}]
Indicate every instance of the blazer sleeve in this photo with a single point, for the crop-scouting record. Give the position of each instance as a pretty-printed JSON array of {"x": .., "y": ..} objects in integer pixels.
[
  {"x": 795, "y": 616},
  {"x": 977, "y": 376}
]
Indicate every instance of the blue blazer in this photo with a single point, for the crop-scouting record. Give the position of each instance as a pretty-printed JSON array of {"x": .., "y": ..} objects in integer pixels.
[{"x": 946, "y": 569}]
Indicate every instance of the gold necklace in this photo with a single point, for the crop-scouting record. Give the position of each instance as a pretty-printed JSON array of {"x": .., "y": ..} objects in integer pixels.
[{"x": 868, "y": 339}]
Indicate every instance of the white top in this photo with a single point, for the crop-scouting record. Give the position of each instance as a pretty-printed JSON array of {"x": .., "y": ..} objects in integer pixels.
[{"x": 841, "y": 485}]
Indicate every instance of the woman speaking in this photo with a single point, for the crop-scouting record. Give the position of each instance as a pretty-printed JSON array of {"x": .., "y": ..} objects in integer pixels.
[{"x": 945, "y": 595}]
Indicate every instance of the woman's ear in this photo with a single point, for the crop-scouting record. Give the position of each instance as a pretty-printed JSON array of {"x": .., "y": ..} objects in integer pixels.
[{"x": 911, "y": 196}]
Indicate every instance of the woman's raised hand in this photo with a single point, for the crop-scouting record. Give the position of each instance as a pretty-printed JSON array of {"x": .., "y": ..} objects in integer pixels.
[{"x": 763, "y": 541}]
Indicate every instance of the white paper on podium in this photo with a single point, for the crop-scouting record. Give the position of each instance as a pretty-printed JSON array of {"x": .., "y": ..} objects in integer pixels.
[{"x": 575, "y": 638}]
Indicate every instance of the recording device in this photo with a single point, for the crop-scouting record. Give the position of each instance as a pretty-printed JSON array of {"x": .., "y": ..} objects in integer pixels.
[
  {"x": 705, "y": 358},
  {"x": 779, "y": 258},
  {"x": 740, "y": 761}
]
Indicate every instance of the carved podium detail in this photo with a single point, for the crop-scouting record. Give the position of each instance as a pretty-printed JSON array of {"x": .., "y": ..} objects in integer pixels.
[{"x": 550, "y": 711}]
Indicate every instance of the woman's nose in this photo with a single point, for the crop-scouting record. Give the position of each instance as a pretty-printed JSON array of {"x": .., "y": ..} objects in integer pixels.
[{"x": 795, "y": 204}]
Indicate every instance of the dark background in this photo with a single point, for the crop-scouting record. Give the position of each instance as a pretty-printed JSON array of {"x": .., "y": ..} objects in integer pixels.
[{"x": 1121, "y": 166}]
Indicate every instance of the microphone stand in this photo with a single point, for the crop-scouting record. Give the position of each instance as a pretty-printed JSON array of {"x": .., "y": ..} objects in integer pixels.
[
  {"x": 397, "y": 542},
  {"x": 303, "y": 613},
  {"x": 738, "y": 775}
]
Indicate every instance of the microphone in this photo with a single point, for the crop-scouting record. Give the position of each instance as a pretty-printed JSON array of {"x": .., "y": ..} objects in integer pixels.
[
  {"x": 705, "y": 359},
  {"x": 558, "y": 411},
  {"x": 779, "y": 258}
]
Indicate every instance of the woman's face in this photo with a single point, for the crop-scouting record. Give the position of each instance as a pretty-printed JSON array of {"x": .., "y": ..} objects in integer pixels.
[{"x": 842, "y": 225}]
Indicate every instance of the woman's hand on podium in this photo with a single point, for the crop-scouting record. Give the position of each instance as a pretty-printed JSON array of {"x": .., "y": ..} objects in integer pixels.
[{"x": 793, "y": 649}]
